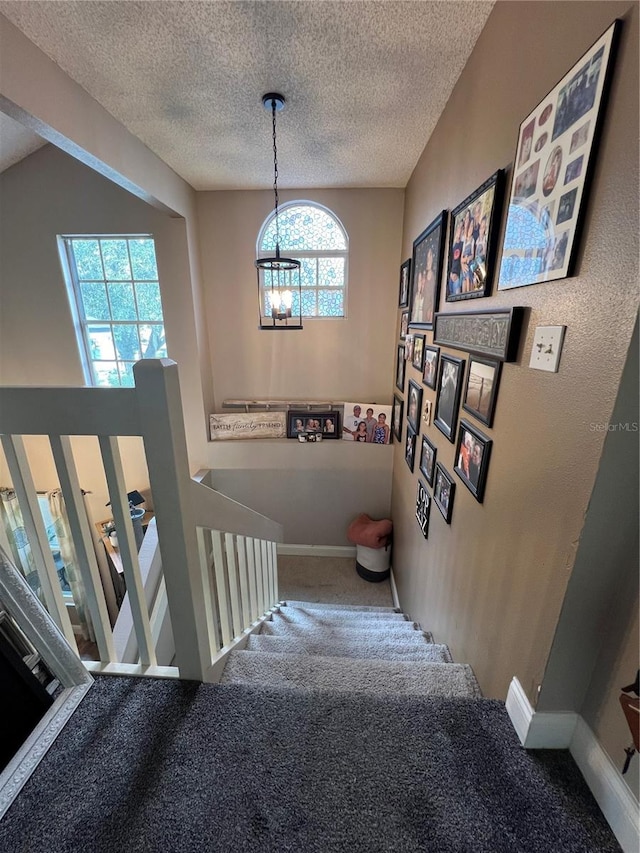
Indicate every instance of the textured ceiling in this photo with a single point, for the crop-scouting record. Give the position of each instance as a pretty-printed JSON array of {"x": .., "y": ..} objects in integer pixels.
[
  {"x": 16, "y": 142},
  {"x": 365, "y": 82}
]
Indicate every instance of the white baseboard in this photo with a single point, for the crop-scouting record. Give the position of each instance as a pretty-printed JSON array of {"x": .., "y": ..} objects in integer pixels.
[
  {"x": 394, "y": 590},
  {"x": 316, "y": 550},
  {"x": 569, "y": 731},
  {"x": 617, "y": 802}
]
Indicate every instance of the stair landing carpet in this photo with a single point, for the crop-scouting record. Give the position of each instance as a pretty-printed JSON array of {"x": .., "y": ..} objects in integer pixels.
[{"x": 152, "y": 766}]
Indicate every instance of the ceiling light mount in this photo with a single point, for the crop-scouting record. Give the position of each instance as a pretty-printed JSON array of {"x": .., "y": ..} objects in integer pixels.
[{"x": 271, "y": 99}]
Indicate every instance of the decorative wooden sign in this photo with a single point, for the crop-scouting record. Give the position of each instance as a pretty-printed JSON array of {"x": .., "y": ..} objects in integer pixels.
[
  {"x": 248, "y": 425},
  {"x": 494, "y": 333}
]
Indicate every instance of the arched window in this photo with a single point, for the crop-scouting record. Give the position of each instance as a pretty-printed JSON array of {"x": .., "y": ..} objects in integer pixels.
[{"x": 313, "y": 235}]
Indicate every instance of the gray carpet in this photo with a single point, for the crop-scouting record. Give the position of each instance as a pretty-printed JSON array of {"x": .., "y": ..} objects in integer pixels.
[
  {"x": 168, "y": 767},
  {"x": 365, "y": 608},
  {"x": 370, "y": 648},
  {"x": 330, "y": 580},
  {"x": 328, "y": 616}
]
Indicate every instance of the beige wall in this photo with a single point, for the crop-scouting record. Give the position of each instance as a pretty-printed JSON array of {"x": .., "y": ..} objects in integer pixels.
[
  {"x": 319, "y": 488},
  {"x": 492, "y": 584}
]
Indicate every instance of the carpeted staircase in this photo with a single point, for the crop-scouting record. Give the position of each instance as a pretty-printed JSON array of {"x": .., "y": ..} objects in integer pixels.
[{"x": 353, "y": 649}]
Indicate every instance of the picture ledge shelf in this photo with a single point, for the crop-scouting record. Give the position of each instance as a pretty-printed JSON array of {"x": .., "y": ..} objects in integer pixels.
[{"x": 279, "y": 405}]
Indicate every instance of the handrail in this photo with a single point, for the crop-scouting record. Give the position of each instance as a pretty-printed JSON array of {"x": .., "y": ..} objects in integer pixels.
[{"x": 216, "y": 511}]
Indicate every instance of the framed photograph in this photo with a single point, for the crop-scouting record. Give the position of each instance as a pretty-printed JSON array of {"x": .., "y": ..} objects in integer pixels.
[
  {"x": 423, "y": 505},
  {"x": 481, "y": 389},
  {"x": 414, "y": 405},
  {"x": 405, "y": 280},
  {"x": 400, "y": 368},
  {"x": 430, "y": 370},
  {"x": 410, "y": 447},
  {"x": 472, "y": 241},
  {"x": 428, "y": 459},
  {"x": 396, "y": 418},
  {"x": 426, "y": 414},
  {"x": 444, "y": 491},
  {"x": 449, "y": 391},
  {"x": 495, "y": 334},
  {"x": 426, "y": 270},
  {"x": 554, "y": 162},
  {"x": 408, "y": 347},
  {"x": 404, "y": 324},
  {"x": 472, "y": 458},
  {"x": 366, "y": 423},
  {"x": 418, "y": 352},
  {"x": 326, "y": 424}
]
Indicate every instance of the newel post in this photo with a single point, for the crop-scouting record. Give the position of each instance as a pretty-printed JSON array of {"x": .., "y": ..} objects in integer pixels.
[{"x": 162, "y": 423}]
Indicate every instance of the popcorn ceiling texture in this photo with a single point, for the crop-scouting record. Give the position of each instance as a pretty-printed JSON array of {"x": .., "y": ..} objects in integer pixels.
[
  {"x": 16, "y": 142},
  {"x": 365, "y": 81}
]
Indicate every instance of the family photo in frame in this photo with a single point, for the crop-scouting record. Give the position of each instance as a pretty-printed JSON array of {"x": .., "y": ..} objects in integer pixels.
[
  {"x": 449, "y": 391},
  {"x": 444, "y": 491},
  {"x": 430, "y": 370},
  {"x": 410, "y": 447},
  {"x": 428, "y": 459},
  {"x": 396, "y": 417},
  {"x": 414, "y": 405},
  {"x": 472, "y": 458},
  {"x": 326, "y": 424},
  {"x": 366, "y": 423},
  {"x": 400, "y": 367},
  {"x": 426, "y": 271},
  {"x": 405, "y": 281}
]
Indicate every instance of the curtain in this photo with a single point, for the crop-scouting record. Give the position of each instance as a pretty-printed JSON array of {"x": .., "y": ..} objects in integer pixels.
[
  {"x": 16, "y": 536},
  {"x": 70, "y": 562}
]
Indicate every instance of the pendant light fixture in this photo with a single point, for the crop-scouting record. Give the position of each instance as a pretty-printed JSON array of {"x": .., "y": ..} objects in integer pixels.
[{"x": 279, "y": 284}]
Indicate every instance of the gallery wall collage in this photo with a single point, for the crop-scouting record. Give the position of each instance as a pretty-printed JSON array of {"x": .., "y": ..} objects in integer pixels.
[{"x": 458, "y": 252}]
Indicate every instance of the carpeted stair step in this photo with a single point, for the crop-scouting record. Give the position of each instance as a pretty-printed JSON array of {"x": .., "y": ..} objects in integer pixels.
[
  {"x": 356, "y": 608},
  {"x": 432, "y": 652},
  {"x": 332, "y": 617},
  {"x": 310, "y": 623},
  {"x": 277, "y": 627},
  {"x": 377, "y": 677}
]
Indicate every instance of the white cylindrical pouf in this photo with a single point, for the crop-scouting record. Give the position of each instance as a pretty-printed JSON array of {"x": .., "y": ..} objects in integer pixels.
[{"x": 372, "y": 564}]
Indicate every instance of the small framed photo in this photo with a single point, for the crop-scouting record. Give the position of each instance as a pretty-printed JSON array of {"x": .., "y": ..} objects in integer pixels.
[
  {"x": 430, "y": 370},
  {"x": 428, "y": 459},
  {"x": 418, "y": 352},
  {"x": 408, "y": 347},
  {"x": 426, "y": 268},
  {"x": 404, "y": 325},
  {"x": 472, "y": 241},
  {"x": 396, "y": 418},
  {"x": 482, "y": 388},
  {"x": 410, "y": 448},
  {"x": 444, "y": 492},
  {"x": 400, "y": 368},
  {"x": 426, "y": 415},
  {"x": 405, "y": 281},
  {"x": 325, "y": 424},
  {"x": 449, "y": 391},
  {"x": 472, "y": 458},
  {"x": 414, "y": 405},
  {"x": 423, "y": 505}
]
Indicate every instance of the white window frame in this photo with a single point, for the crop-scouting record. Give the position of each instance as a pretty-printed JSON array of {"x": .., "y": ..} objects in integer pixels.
[
  {"x": 80, "y": 321},
  {"x": 316, "y": 254}
]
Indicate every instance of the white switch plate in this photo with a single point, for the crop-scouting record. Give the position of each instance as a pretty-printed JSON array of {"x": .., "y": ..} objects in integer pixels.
[{"x": 546, "y": 349}]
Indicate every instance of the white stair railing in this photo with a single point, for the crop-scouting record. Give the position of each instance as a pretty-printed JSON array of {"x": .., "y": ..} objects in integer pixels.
[{"x": 218, "y": 574}]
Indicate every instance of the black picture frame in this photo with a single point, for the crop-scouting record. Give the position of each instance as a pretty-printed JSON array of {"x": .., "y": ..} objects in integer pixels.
[
  {"x": 404, "y": 324},
  {"x": 404, "y": 294},
  {"x": 449, "y": 391},
  {"x": 495, "y": 334},
  {"x": 417, "y": 357},
  {"x": 473, "y": 237},
  {"x": 414, "y": 405},
  {"x": 473, "y": 451},
  {"x": 426, "y": 272},
  {"x": 430, "y": 367},
  {"x": 553, "y": 170},
  {"x": 410, "y": 448},
  {"x": 428, "y": 456},
  {"x": 396, "y": 417},
  {"x": 444, "y": 491},
  {"x": 304, "y": 422},
  {"x": 400, "y": 367},
  {"x": 481, "y": 388},
  {"x": 423, "y": 507}
]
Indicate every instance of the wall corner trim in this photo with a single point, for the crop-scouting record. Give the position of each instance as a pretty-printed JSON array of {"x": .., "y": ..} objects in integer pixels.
[
  {"x": 569, "y": 731},
  {"x": 293, "y": 550},
  {"x": 394, "y": 590}
]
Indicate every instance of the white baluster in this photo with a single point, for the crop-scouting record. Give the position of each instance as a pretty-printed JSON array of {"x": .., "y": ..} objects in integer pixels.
[
  {"x": 245, "y": 602},
  {"x": 221, "y": 586},
  {"x": 205, "y": 553},
  {"x": 253, "y": 586},
  {"x": 232, "y": 574}
]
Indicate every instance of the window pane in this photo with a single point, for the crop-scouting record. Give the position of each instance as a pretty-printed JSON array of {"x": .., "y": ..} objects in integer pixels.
[
  {"x": 123, "y": 306},
  {"x": 153, "y": 341},
  {"x": 331, "y": 272},
  {"x": 304, "y": 227},
  {"x": 308, "y": 272},
  {"x": 107, "y": 373},
  {"x": 94, "y": 301},
  {"x": 87, "y": 258},
  {"x": 331, "y": 303},
  {"x": 127, "y": 341},
  {"x": 100, "y": 342},
  {"x": 116, "y": 259},
  {"x": 126, "y": 374},
  {"x": 309, "y": 303},
  {"x": 143, "y": 258},
  {"x": 149, "y": 305}
]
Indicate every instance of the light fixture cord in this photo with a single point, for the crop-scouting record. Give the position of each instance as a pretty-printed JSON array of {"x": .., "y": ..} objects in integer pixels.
[{"x": 275, "y": 171}]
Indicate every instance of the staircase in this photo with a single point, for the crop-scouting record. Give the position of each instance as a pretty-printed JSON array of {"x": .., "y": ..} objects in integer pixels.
[{"x": 350, "y": 649}]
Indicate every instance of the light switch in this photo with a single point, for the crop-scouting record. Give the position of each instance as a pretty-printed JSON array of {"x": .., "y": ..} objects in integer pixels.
[{"x": 546, "y": 349}]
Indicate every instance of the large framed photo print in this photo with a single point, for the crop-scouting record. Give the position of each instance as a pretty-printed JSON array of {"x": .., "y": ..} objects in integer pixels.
[
  {"x": 426, "y": 268},
  {"x": 554, "y": 160},
  {"x": 449, "y": 390},
  {"x": 472, "y": 241}
]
